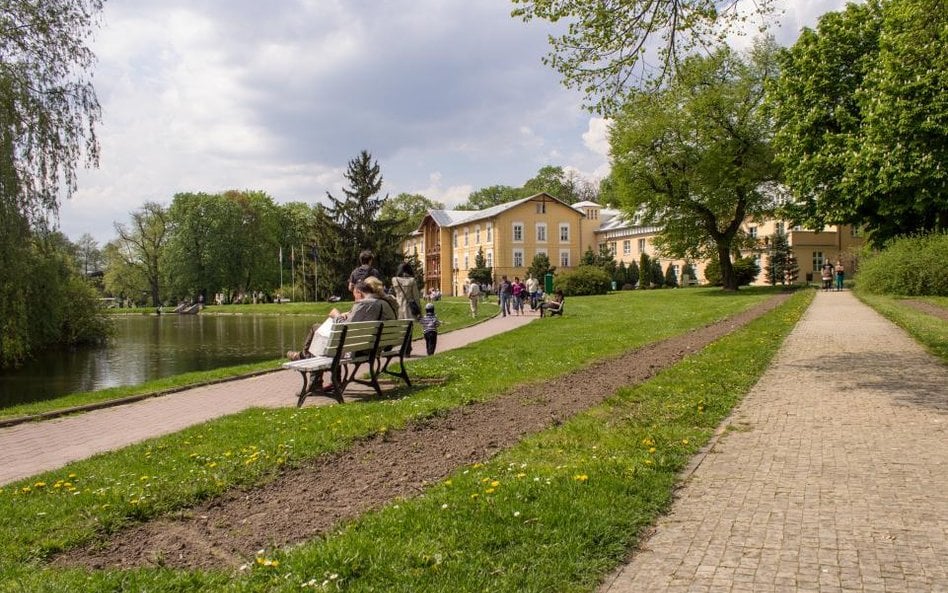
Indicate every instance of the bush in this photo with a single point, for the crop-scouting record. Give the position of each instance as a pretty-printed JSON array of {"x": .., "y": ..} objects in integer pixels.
[
  {"x": 745, "y": 268},
  {"x": 584, "y": 280},
  {"x": 908, "y": 266}
]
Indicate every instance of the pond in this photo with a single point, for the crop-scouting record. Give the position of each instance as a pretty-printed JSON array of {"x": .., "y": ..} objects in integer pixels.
[{"x": 150, "y": 347}]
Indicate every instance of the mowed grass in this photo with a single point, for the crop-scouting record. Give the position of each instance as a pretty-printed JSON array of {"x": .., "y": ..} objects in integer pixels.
[
  {"x": 928, "y": 330},
  {"x": 454, "y": 313},
  {"x": 551, "y": 514}
]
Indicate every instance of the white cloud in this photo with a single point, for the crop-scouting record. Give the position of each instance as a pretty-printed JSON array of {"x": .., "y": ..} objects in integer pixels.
[{"x": 448, "y": 97}]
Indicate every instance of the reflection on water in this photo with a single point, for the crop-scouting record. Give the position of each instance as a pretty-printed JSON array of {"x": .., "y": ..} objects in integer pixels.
[{"x": 151, "y": 347}]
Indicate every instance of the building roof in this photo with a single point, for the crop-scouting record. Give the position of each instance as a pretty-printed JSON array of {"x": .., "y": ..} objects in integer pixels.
[{"x": 451, "y": 218}]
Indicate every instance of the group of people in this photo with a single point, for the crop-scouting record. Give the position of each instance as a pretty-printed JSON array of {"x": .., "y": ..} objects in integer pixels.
[
  {"x": 374, "y": 303},
  {"x": 514, "y": 295},
  {"x": 828, "y": 272}
]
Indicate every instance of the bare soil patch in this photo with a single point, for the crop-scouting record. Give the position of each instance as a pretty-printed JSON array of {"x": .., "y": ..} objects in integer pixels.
[
  {"x": 928, "y": 308},
  {"x": 307, "y": 501}
]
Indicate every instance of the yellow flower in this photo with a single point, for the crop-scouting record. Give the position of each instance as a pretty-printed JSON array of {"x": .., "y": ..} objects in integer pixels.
[
  {"x": 581, "y": 477},
  {"x": 489, "y": 491},
  {"x": 494, "y": 484},
  {"x": 684, "y": 441},
  {"x": 651, "y": 450},
  {"x": 39, "y": 485}
]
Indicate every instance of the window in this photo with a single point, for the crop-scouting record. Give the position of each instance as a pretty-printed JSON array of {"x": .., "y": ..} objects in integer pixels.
[
  {"x": 467, "y": 263},
  {"x": 518, "y": 232},
  {"x": 781, "y": 228},
  {"x": 489, "y": 259},
  {"x": 455, "y": 236},
  {"x": 477, "y": 234},
  {"x": 541, "y": 207},
  {"x": 490, "y": 233},
  {"x": 564, "y": 258},
  {"x": 541, "y": 232},
  {"x": 626, "y": 247},
  {"x": 466, "y": 235},
  {"x": 641, "y": 245},
  {"x": 564, "y": 233},
  {"x": 455, "y": 262},
  {"x": 518, "y": 258},
  {"x": 817, "y": 260},
  {"x": 752, "y": 231}
]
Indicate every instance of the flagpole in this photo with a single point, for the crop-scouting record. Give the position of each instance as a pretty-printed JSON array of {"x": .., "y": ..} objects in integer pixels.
[{"x": 281, "y": 274}]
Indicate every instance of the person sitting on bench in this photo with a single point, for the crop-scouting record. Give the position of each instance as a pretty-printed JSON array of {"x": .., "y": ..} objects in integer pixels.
[{"x": 554, "y": 305}]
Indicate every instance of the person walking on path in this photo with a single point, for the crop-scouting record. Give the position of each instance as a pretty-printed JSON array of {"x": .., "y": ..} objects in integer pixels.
[
  {"x": 840, "y": 274},
  {"x": 474, "y": 295},
  {"x": 364, "y": 269},
  {"x": 504, "y": 291},
  {"x": 834, "y": 481},
  {"x": 429, "y": 325},
  {"x": 407, "y": 294},
  {"x": 827, "y": 275},
  {"x": 533, "y": 287}
]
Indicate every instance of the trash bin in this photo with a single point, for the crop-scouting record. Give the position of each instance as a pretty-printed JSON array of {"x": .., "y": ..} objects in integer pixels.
[
  {"x": 548, "y": 283},
  {"x": 613, "y": 285}
]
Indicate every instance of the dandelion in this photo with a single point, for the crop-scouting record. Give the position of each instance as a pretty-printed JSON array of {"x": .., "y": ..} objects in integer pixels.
[
  {"x": 581, "y": 478},
  {"x": 651, "y": 450},
  {"x": 494, "y": 484},
  {"x": 684, "y": 441},
  {"x": 39, "y": 485},
  {"x": 489, "y": 491}
]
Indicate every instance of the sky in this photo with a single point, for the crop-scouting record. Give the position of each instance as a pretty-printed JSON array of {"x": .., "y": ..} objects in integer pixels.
[{"x": 448, "y": 96}]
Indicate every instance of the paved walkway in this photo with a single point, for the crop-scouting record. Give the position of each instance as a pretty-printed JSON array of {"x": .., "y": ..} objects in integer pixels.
[
  {"x": 833, "y": 475},
  {"x": 35, "y": 447}
]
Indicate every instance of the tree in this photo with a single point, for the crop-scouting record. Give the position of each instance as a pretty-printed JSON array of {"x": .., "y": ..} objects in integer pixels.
[
  {"x": 779, "y": 259},
  {"x": 48, "y": 112},
  {"x": 567, "y": 187},
  {"x": 658, "y": 277},
  {"x": 540, "y": 267},
  {"x": 88, "y": 255},
  {"x": 632, "y": 278},
  {"x": 695, "y": 158},
  {"x": 481, "y": 273},
  {"x": 861, "y": 119},
  {"x": 671, "y": 278},
  {"x": 603, "y": 49},
  {"x": 346, "y": 227},
  {"x": 141, "y": 246},
  {"x": 645, "y": 267},
  {"x": 491, "y": 196},
  {"x": 408, "y": 210},
  {"x": 229, "y": 241}
]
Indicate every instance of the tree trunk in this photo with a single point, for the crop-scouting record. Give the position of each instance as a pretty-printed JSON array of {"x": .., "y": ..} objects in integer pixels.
[{"x": 728, "y": 276}]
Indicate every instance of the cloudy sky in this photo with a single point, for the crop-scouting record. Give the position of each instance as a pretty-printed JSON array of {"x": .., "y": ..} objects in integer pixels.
[{"x": 449, "y": 96}]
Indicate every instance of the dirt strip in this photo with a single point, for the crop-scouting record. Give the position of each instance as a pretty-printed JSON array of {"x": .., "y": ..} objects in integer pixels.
[{"x": 308, "y": 501}]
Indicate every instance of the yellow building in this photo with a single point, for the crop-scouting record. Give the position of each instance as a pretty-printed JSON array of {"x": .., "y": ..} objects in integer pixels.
[
  {"x": 447, "y": 241},
  {"x": 510, "y": 235}
]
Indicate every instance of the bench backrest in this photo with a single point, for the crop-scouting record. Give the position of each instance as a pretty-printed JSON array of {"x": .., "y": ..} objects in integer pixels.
[
  {"x": 396, "y": 334},
  {"x": 356, "y": 336}
]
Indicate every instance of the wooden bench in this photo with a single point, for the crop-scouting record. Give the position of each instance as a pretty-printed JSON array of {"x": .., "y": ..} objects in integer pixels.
[
  {"x": 372, "y": 343},
  {"x": 552, "y": 312}
]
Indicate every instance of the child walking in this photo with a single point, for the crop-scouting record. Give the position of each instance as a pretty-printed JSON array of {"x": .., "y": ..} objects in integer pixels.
[{"x": 429, "y": 324}]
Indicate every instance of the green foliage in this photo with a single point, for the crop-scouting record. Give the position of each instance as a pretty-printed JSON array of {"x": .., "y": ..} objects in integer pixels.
[
  {"x": 671, "y": 279},
  {"x": 745, "y": 269},
  {"x": 862, "y": 119},
  {"x": 48, "y": 112},
  {"x": 141, "y": 247},
  {"x": 602, "y": 51},
  {"x": 695, "y": 157},
  {"x": 584, "y": 280},
  {"x": 481, "y": 273},
  {"x": 781, "y": 265},
  {"x": 540, "y": 267},
  {"x": 228, "y": 242},
  {"x": 491, "y": 196},
  {"x": 346, "y": 227},
  {"x": 658, "y": 277},
  {"x": 928, "y": 330},
  {"x": 909, "y": 266},
  {"x": 645, "y": 271},
  {"x": 408, "y": 210}
]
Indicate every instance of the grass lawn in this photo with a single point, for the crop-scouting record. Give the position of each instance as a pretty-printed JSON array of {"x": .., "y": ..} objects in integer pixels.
[
  {"x": 555, "y": 512},
  {"x": 453, "y": 312},
  {"x": 928, "y": 330}
]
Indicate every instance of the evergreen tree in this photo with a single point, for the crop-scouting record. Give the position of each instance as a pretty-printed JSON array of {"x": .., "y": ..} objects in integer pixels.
[
  {"x": 633, "y": 272},
  {"x": 540, "y": 267},
  {"x": 346, "y": 227},
  {"x": 779, "y": 258},
  {"x": 481, "y": 273},
  {"x": 645, "y": 266},
  {"x": 671, "y": 279},
  {"x": 658, "y": 277}
]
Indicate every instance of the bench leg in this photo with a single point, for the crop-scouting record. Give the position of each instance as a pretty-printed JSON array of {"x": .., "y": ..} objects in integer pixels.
[{"x": 402, "y": 374}]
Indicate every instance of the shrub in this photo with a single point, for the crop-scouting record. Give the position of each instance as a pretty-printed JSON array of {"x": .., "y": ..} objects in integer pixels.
[
  {"x": 909, "y": 266},
  {"x": 745, "y": 268},
  {"x": 584, "y": 280}
]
